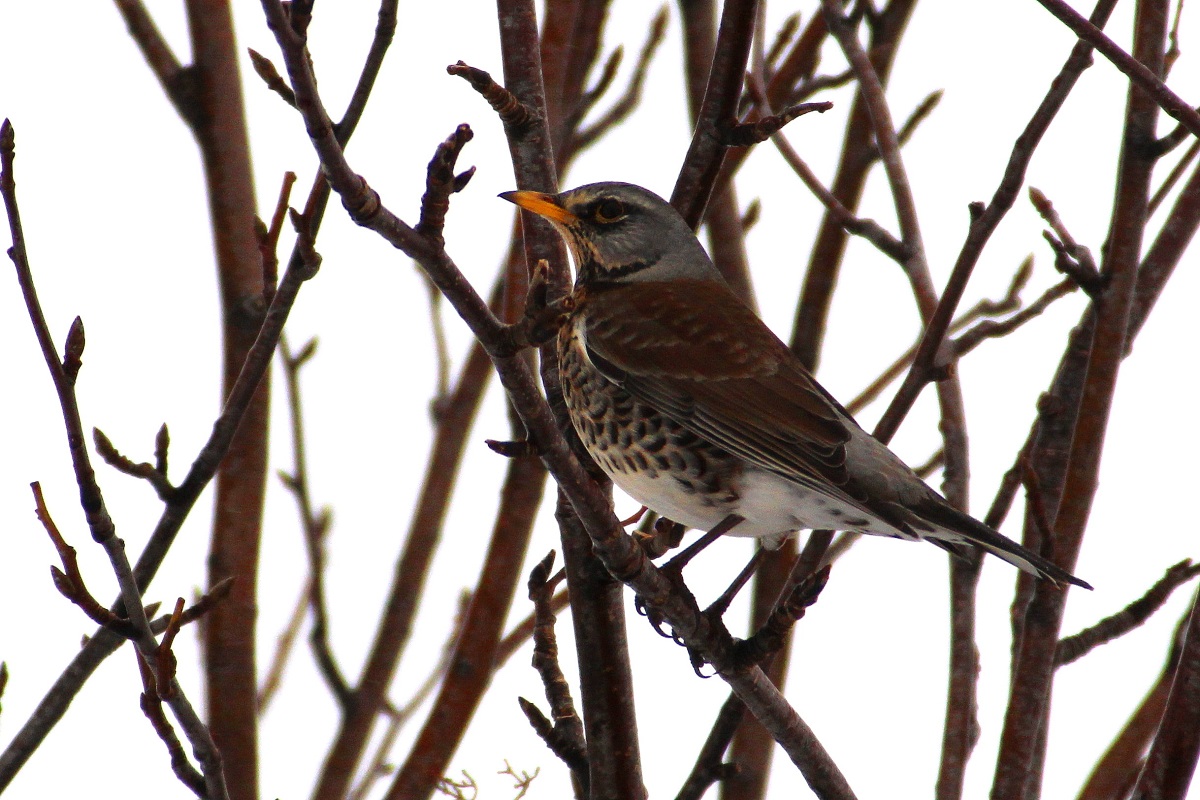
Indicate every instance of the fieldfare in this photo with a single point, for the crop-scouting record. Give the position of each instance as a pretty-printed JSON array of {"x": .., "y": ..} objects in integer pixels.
[{"x": 692, "y": 405}]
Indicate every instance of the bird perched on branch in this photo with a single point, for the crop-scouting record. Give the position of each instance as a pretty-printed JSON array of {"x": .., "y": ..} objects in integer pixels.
[{"x": 692, "y": 405}]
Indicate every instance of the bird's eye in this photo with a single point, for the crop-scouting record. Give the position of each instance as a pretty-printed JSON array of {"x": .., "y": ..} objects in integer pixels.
[{"x": 610, "y": 210}]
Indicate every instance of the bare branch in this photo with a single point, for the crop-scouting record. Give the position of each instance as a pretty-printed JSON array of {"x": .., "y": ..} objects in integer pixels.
[
  {"x": 1073, "y": 648},
  {"x": 1135, "y": 70},
  {"x": 632, "y": 96},
  {"x": 1175, "y": 749},
  {"x": 512, "y": 112}
]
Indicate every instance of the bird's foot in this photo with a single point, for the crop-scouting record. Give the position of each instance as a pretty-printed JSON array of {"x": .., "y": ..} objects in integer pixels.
[
  {"x": 665, "y": 535},
  {"x": 673, "y": 569},
  {"x": 674, "y": 576}
]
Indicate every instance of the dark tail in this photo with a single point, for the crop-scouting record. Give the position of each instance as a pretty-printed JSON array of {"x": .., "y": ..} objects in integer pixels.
[{"x": 955, "y": 526}]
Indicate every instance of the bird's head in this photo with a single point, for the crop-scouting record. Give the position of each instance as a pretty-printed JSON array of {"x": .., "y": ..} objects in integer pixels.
[{"x": 621, "y": 233}]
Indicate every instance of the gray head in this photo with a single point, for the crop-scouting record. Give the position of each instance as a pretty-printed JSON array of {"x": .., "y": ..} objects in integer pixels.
[{"x": 621, "y": 233}]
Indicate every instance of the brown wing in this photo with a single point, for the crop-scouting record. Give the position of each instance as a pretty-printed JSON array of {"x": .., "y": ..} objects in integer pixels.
[{"x": 694, "y": 352}]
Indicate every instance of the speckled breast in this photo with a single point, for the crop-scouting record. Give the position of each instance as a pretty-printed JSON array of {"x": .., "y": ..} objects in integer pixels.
[{"x": 654, "y": 459}]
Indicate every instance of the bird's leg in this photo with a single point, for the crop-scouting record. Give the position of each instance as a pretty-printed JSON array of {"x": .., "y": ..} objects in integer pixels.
[
  {"x": 637, "y": 515},
  {"x": 673, "y": 569},
  {"x": 723, "y": 527},
  {"x": 718, "y": 607}
]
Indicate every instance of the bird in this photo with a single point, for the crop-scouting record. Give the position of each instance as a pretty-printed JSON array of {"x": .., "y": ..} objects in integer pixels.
[{"x": 698, "y": 411}]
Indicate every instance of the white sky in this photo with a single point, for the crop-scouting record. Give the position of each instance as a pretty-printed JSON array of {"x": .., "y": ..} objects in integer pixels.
[{"x": 116, "y": 223}]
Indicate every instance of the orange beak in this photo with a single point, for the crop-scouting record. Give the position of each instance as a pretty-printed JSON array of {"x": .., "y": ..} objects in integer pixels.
[{"x": 544, "y": 205}]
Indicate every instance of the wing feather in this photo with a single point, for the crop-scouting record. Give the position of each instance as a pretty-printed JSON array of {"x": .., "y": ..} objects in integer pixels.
[{"x": 695, "y": 353}]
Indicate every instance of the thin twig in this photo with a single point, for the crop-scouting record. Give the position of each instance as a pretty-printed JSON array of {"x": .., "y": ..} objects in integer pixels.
[
  {"x": 1073, "y": 648},
  {"x": 632, "y": 96},
  {"x": 710, "y": 765},
  {"x": 283, "y": 650},
  {"x": 271, "y": 77},
  {"x": 869, "y": 229},
  {"x": 69, "y": 580},
  {"x": 993, "y": 329},
  {"x": 315, "y": 525},
  {"x": 91, "y": 499},
  {"x": 1137, "y": 72},
  {"x": 397, "y": 717},
  {"x": 1071, "y": 258},
  {"x": 512, "y": 112},
  {"x": 148, "y": 472},
  {"x": 1174, "y": 175},
  {"x": 300, "y": 268},
  {"x": 565, "y": 735},
  {"x": 151, "y": 704},
  {"x": 984, "y": 308}
]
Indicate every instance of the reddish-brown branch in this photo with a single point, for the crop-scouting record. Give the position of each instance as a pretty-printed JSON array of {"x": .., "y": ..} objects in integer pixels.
[
  {"x": 220, "y": 131},
  {"x": 1117, "y": 769},
  {"x": 598, "y": 619},
  {"x": 398, "y": 716},
  {"x": 1171, "y": 762},
  {"x": 69, "y": 580},
  {"x": 629, "y": 99},
  {"x": 857, "y": 157},
  {"x": 300, "y": 269},
  {"x": 710, "y": 765},
  {"x": 869, "y": 229},
  {"x": 752, "y": 747},
  {"x": 568, "y": 50},
  {"x": 597, "y": 608},
  {"x": 799, "y": 65},
  {"x": 701, "y": 165},
  {"x": 1174, "y": 175},
  {"x": 177, "y": 81},
  {"x": 1068, "y": 494},
  {"x": 993, "y": 329},
  {"x": 411, "y": 569},
  {"x": 474, "y": 657},
  {"x": 722, "y": 217},
  {"x": 985, "y": 223}
]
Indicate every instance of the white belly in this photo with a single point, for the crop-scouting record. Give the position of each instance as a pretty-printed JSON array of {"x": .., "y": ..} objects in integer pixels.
[{"x": 771, "y": 505}]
